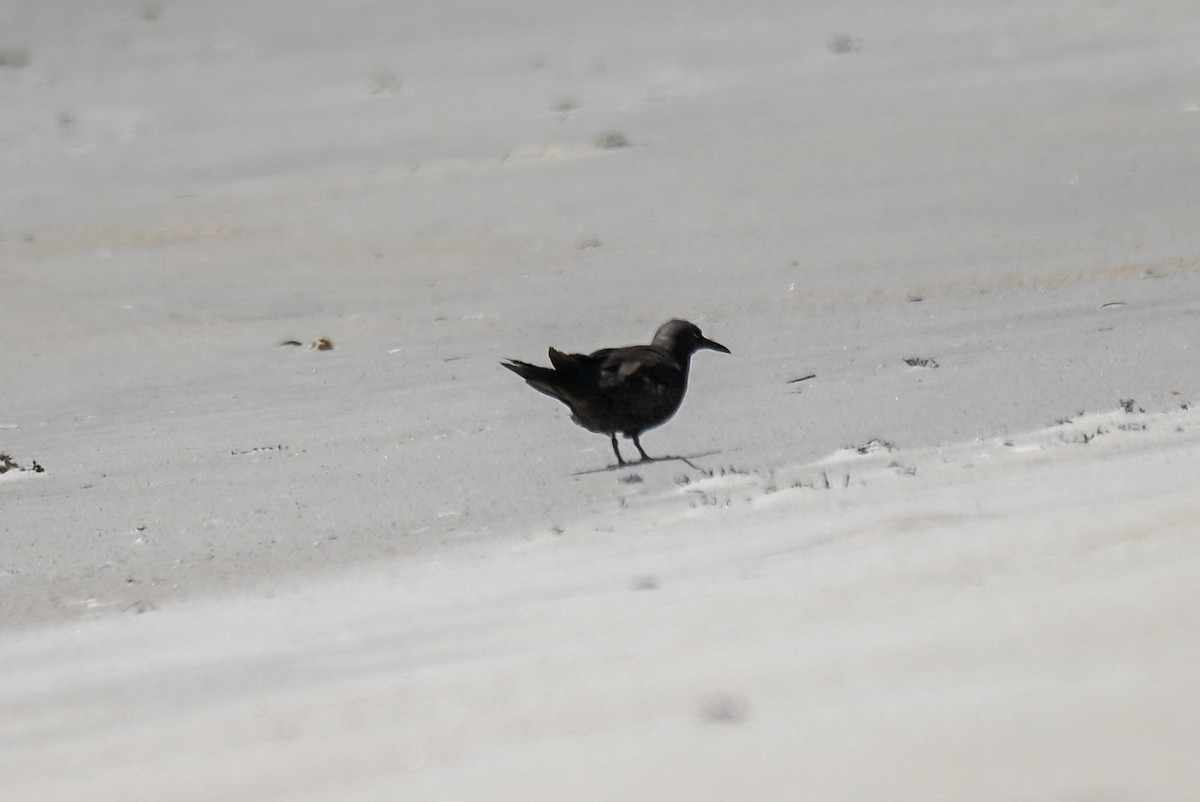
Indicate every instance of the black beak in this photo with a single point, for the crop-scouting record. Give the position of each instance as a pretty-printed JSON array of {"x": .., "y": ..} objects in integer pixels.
[{"x": 714, "y": 345}]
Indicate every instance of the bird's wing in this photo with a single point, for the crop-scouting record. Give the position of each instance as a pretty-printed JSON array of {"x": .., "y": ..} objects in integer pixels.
[
  {"x": 570, "y": 364},
  {"x": 627, "y": 367}
]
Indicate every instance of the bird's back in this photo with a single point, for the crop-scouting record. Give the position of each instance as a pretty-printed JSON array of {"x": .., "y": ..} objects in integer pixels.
[{"x": 624, "y": 390}]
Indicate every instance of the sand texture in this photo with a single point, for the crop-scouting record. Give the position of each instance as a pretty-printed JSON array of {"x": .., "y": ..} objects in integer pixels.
[{"x": 928, "y": 533}]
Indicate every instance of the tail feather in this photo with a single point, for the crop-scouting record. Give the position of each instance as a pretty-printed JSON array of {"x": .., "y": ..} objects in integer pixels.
[{"x": 544, "y": 380}]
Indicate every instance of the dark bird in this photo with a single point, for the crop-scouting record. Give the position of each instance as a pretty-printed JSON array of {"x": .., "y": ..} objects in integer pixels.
[{"x": 622, "y": 390}]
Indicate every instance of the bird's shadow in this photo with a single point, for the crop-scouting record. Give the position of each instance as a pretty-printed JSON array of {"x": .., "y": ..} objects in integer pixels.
[{"x": 619, "y": 466}]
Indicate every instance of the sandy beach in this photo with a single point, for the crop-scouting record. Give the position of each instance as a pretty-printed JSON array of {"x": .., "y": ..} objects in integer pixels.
[{"x": 929, "y": 532}]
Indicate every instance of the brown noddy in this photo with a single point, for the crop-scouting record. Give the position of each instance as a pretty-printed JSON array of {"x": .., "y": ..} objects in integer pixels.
[{"x": 622, "y": 390}]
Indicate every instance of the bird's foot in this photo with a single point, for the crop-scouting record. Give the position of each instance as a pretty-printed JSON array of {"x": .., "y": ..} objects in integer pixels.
[{"x": 645, "y": 457}]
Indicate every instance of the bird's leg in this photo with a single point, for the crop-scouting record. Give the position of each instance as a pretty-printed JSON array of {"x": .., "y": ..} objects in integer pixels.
[
  {"x": 617, "y": 451},
  {"x": 646, "y": 457}
]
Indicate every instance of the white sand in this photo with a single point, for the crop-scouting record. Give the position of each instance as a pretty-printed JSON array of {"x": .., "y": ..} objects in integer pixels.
[{"x": 391, "y": 571}]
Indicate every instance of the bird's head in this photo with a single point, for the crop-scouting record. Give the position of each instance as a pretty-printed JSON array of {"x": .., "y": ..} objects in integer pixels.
[{"x": 683, "y": 337}]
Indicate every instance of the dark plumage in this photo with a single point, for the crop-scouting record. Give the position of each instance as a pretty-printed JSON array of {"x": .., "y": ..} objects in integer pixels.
[{"x": 622, "y": 390}]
